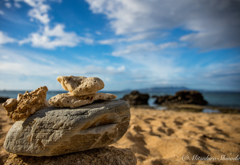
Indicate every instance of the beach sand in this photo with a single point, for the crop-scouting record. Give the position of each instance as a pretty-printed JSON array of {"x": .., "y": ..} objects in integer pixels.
[
  {"x": 5, "y": 124},
  {"x": 169, "y": 137}
]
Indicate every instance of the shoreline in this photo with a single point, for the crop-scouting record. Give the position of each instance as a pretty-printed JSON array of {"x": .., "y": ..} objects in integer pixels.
[{"x": 192, "y": 108}]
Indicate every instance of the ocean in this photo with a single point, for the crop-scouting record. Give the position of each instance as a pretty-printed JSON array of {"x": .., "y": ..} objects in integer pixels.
[{"x": 214, "y": 98}]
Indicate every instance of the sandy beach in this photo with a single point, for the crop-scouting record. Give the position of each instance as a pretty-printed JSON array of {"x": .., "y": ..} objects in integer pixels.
[
  {"x": 170, "y": 137},
  {"x": 5, "y": 125}
]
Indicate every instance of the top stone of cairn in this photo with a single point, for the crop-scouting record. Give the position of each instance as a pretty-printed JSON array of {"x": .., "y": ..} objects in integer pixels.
[{"x": 80, "y": 85}]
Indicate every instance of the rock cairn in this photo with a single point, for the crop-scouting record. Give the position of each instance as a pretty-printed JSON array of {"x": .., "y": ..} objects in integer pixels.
[
  {"x": 82, "y": 91},
  {"x": 66, "y": 126}
]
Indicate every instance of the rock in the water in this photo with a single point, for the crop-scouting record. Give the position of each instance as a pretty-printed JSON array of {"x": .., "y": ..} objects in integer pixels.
[
  {"x": 53, "y": 131},
  {"x": 26, "y": 104},
  {"x": 3, "y": 99},
  {"x": 79, "y": 85},
  {"x": 68, "y": 100},
  {"x": 136, "y": 98},
  {"x": 182, "y": 97},
  {"x": 100, "y": 156}
]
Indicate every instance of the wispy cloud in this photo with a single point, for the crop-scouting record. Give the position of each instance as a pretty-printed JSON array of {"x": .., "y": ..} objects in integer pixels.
[
  {"x": 153, "y": 64},
  {"x": 144, "y": 35},
  {"x": 213, "y": 25},
  {"x": 8, "y": 4},
  {"x": 133, "y": 38},
  {"x": 215, "y": 76},
  {"x": 5, "y": 39},
  {"x": 143, "y": 48},
  {"x": 17, "y": 5},
  {"x": 26, "y": 68},
  {"x": 13, "y": 62}
]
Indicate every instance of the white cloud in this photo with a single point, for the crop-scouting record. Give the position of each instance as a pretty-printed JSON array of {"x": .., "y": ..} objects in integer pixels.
[
  {"x": 98, "y": 33},
  {"x": 39, "y": 15},
  {"x": 140, "y": 26},
  {"x": 41, "y": 69},
  {"x": 46, "y": 37},
  {"x": 39, "y": 10},
  {"x": 116, "y": 70},
  {"x": 5, "y": 39},
  {"x": 132, "y": 38},
  {"x": 214, "y": 24},
  {"x": 8, "y": 5},
  {"x": 215, "y": 76},
  {"x": 1, "y": 12},
  {"x": 17, "y": 5},
  {"x": 212, "y": 40},
  {"x": 56, "y": 37},
  {"x": 142, "y": 48},
  {"x": 59, "y": 1},
  {"x": 151, "y": 64}
]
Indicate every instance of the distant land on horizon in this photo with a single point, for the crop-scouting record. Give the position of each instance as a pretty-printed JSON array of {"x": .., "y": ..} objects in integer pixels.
[{"x": 169, "y": 89}]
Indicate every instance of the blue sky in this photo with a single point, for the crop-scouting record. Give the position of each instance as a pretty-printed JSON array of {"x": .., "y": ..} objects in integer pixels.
[{"x": 130, "y": 44}]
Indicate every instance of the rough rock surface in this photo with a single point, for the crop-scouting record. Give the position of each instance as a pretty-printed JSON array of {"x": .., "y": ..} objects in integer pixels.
[
  {"x": 136, "y": 98},
  {"x": 100, "y": 156},
  {"x": 182, "y": 97},
  {"x": 68, "y": 100},
  {"x": 79, "y": 85},
  {"x": 53, "y": 131},
  {"x": 26, "y": 104}
]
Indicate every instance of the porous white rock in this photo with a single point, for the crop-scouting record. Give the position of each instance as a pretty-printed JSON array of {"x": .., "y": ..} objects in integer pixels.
[
  {"x": 68, "y": 100},
  {"x": 80, "y": 85},
  {"x": 26, "y": 104},
  {"x": 55, "y": 131}
]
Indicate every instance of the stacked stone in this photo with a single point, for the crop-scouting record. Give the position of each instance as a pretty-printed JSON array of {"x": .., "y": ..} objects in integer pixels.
[
  {"x": 82, "y": 91},
  {"x": 55, "y": 131}
]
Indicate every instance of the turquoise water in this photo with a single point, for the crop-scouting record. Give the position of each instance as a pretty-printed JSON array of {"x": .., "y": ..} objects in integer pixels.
[{"x": 229, "y": 99}]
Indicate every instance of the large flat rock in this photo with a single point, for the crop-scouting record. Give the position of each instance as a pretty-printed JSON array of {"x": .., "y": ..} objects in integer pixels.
[
  {"x": 54, "y": 131},
  {"x": 100, "y": 156}
]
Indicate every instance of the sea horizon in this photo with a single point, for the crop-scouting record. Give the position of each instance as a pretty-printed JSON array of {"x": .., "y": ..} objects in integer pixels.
[{"x": 213, "y": 97}]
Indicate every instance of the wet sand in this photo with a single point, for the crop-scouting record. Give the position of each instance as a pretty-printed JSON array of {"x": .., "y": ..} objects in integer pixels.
[{"x": 170, "y": 137}]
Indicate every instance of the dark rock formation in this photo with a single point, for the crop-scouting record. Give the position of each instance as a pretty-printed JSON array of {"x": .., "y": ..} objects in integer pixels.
[
  {"x": 136, "y": 98},
  {"x": 155, "y": 96},
  {"x": 3, "y": 99},
  {"x": 182, "y": 97}
]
